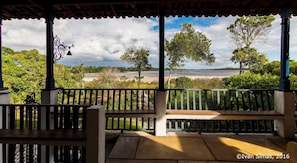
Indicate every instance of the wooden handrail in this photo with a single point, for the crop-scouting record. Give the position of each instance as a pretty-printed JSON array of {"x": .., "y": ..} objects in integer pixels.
[
  {"x": 222, "y": 115},
  {"x": 44, "y": 137}
]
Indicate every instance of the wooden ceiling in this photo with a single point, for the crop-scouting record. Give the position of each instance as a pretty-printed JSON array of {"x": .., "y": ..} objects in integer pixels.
[{"x": 79, "y": 9}]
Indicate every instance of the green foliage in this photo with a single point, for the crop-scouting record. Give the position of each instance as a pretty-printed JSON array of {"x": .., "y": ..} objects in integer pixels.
[
  {"x": 245, "y": 31},
  {"x": 213, "y": 83},
  {"x": 139, "y": 58},
  {"x": 252, "y": 81},
  {"x": 24, "y": 72},
  {"x": 273, "y": 68},
  {"x": 106, "y": 78},
  {"x": 183, "y": 82},
  {"x": 190, "y": 44},
  {"x": 248, "y": 57}
]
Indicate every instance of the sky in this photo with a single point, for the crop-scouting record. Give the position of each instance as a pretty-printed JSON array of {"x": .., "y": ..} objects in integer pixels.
[{"x": 101, "y": 42}]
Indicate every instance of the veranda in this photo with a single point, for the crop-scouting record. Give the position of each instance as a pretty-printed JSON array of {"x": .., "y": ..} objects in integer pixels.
[{"x": 70, "y": 126}]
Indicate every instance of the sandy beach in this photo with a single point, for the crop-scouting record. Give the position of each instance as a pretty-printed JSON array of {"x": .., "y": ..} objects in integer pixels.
[
  {"x": 149, "y": 79},
  {"x": 153, "y": 76}
]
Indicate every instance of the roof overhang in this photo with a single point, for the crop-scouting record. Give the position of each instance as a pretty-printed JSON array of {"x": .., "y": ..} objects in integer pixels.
[{"x": 79, "y": 9}]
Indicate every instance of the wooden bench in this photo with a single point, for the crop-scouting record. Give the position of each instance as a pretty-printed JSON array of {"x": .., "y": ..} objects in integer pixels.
[
  {"x": 43, "y": 137},
  {"x": 222, "y": 115}
]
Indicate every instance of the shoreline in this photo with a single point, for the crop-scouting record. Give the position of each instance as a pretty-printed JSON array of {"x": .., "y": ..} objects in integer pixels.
[
  {"x": 153, "y": 76},
  {"x": 149, "y": 79}
]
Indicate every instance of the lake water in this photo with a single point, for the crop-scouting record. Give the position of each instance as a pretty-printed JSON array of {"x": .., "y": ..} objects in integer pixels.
[
  {"x": 187, "y": 72},
  {"x": 150, "y": 76}
]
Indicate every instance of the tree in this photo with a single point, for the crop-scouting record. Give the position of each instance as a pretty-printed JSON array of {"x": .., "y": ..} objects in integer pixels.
[
  {"x": 245, "y": 31},
  {"x": 106, "y": 78},
  {"x": 190, "y": 44},
  {"x": 248, "y": 58},
  {"x": 139, "y": 58},
  {"x": 24, "y": 73}
]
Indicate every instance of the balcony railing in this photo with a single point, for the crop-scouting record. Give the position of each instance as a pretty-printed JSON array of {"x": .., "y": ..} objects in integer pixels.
[
  {"x": 124, "y": 100},
  {"x": 122, "y": 107},
  {"x": 18, "y": 120},
  {"x": 221, "y": 99},
  {"x": 129, "y": 100}
]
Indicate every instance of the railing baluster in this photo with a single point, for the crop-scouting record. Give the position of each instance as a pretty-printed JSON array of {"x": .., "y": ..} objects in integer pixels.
[
  {"x": 79, "y": 96},
  {"x": 175, "y": 99},
  {"x": 262, "y": 101},
  {"x": 200, "y": 99},
  {"x": 142, "y": 100},
  {"x": 68, "y": 96},
  {"x": 74, "y": 95},
  {"x": 90, "y": 96},
  {"x": 56, "y": 117},
  {"x": 75, "y": 117},
  {"x": 225, "y": 100},
  {"x": 102, "y": 97},
  {"x": 4, "y": 117},
  {"x": 169, "y": 99},
  {"x": 243, "y": 100},
  {"x": 194, "y": 99},
  {"x": 119, "y": 100},
  {"x": 12, "y": 117},
  {"x": 30, "y": 117},
  {"x": 182, "y": 99},
  {"x": 21, "y": 111},
  {"x": 218, "y": 100},
  {"x": 237, "y": 100},
  {"x": 206, "y": 99},
  {"x": 96, "y": 97},
  {"x": 188, "y": 98}
]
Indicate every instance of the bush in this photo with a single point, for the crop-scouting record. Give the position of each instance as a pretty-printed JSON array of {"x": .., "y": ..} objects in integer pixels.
[
  {"x": 211, "y": 83},
  {"x": 252, "y": 81},
  {"x": 183, "y": 82}
]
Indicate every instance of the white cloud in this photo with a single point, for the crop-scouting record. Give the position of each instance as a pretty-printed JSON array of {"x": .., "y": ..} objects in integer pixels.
[{"x": 103, "y": 41}]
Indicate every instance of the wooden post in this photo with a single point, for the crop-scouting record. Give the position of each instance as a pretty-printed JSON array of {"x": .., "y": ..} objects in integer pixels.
[
  {"x": 284, "y": 103},
  {"x": 1, "y": 80},
  {"x": 284, "y": 83},
  {"x": 95, "y": 134},
  {"x": 161, "y": 50},
  {"x": 48, "y": 97},
  {"x": 50, "y": 81},
  {"x": 161, "y": 113},
  {"x": 4, "y": 99}
]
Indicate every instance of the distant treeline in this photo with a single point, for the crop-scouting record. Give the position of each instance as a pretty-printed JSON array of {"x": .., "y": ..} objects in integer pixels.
[{"x": 96, "y": 69}]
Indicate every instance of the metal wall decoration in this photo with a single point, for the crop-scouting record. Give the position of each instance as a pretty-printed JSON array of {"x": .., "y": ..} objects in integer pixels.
[{"x": 61, "y": 49}]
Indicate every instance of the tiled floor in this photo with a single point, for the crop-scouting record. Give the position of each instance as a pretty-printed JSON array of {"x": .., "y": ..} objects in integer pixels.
[{"x": 195, "y": 148}]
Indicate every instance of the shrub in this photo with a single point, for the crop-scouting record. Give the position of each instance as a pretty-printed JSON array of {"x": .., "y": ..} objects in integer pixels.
[
  {"x": 183, "y": 82},
  {"x": 252, "y": 81}
]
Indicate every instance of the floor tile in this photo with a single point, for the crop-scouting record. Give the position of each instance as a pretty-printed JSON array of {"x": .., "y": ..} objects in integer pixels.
[
  {"x": 125, "y": 147},
  {"x": 243, "y": 148},
  {"x": 175, "y": 148}
]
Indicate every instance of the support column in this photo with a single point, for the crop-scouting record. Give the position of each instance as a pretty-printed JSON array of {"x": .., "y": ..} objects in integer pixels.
[
  {"x": 50, "y": 81},
  {"x": 284, "y": 83},
  {"x": 161, "y": 113},
  {"x": 284, "y": 103},
  {"x": 48, "y": 97},
  {"x": 1, "y": 80},
  {"x": 95, "y": 144},
  {"x": 161, "y": 50},
  {"x": 4, "y": 99}
]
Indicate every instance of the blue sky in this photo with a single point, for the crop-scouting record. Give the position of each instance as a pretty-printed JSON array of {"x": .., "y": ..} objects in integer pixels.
[{"x": 101, "y": 42}]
